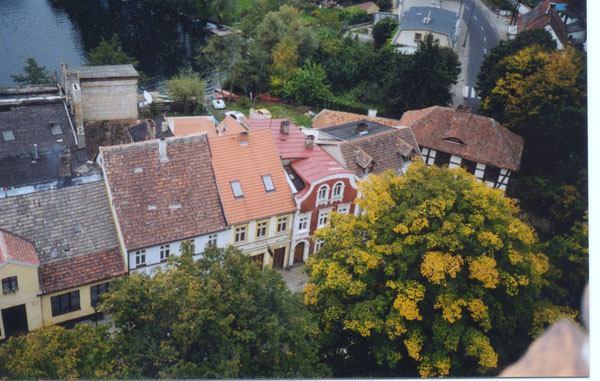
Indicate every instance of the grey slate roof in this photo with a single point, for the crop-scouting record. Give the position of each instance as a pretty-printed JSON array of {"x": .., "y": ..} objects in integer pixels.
[
  {"x": 50, "y": 219},
  {"x": 442, "y": 20},
  {"x": 104, "y": 71},
  {"x": 347, "y": 131},
  {"x": 140, "y": 132},
  {"x": 31, "y": 125}
]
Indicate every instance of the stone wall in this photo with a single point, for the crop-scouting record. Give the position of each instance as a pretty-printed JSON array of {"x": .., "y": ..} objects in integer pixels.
[{"x": 109, "y": 99}]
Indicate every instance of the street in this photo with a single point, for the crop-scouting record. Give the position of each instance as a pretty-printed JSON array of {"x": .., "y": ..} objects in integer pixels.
[{"x": 481, "y": 36}]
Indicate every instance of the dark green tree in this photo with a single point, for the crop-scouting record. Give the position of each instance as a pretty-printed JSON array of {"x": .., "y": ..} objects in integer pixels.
[
  {"x": 493, "y": 66},
  {"x": 217, "y": 317},
  {"x": 382, "y": 31},
  {"x": 308, "y": 86},
  {"x": 110, "y": 52},
  {"x": 384, "y": 5},
  {"x": 33, "y": 74},
  {"x": 423, "y": 79}
]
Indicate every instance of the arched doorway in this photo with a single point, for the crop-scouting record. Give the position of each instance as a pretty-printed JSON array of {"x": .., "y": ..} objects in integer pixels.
[{"x": 299, "y": 252}]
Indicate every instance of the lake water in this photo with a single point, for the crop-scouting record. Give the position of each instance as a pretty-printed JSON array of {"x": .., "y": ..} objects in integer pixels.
[{"x": 52, "y": 31}]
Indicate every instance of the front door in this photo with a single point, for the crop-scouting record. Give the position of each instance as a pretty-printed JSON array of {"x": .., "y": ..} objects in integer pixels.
[
  {"x": 15, "y": 320},
  {"x": 278, "y": 257},
  {"x": 259, "y": 259},
  {"x": 299, "y": 252}
]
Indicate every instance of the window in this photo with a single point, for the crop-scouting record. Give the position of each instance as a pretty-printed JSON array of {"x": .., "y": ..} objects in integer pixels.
[
  {"x": 140, "y": 257},
  {"x": 418, "y": 37},
  {"x": 491, "y": 174},
  {"x": 261, "y": 229},
  {"x": 64, "y": 303},
  {"x": 442, "y": 158},
  {"x": 212, "y": 240},
  {"x": 96, "y": 291},
  {"x": 343, "y": 209},
  {"x": 165, "y": 251},
  {"x": 323, "y": 194},
  {"x": 303, "y": 223},
  {"x": 338, "y": 191},
  {"x": 237, "y": 189},
  {"x": 9, "y": 284},
  {"x": 469, "y": 165},
  {"x": 323, "y": 215},
  {"x": 240, "y": 234},
  {"x": 318, "y": 244},
  {"x": 282, "y": 224},
  {"x": 428, "y": 155},
  {"x": 268, "y": 182}
]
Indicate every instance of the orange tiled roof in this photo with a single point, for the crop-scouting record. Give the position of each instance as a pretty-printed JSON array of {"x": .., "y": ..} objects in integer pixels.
[
  {"x": 13, "y": 248},
  {"x": 193, "y": 125},
  {"x": 327, "y": 118},
  {"x": 246, "y": 164},
  {"x": 230, "y": 126}
]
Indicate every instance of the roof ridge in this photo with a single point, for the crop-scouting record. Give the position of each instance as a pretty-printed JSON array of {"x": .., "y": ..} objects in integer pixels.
[
  {"x": 126, "y": 147},
  {"x": 364, "y": 138}
]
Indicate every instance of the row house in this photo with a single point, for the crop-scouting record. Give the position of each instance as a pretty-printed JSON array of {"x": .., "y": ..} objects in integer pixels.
[
  {"x": 319, "y": 183},
  {"x": 455, "y": 137},
  {"x": 59, "y": 250},
  {"x": 255, "y": 194},
  {"x": 163, "y": 192}
]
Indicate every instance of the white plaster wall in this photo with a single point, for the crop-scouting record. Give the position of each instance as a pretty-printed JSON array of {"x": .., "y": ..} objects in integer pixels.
[{"x": 407, "y": 38}]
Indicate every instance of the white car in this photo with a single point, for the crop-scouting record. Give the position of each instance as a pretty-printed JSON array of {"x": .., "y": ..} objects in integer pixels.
[
  {"x": 218, "y": 104},
  {"x": 235, "y": 115}
]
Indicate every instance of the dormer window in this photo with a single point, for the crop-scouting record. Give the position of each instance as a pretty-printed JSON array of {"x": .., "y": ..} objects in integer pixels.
[
  {"x": 237, "y": 189},
  {"x": 338, "y": 191},
  {"x": 268, "y": 182}
]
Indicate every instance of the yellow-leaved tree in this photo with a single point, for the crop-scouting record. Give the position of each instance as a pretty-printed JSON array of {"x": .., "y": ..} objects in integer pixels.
[{"x": 437, "y": 277}]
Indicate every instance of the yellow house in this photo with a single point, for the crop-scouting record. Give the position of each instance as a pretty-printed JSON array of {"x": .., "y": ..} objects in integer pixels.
[
  {"x": 62, "y": 251},
  {"x": 256, "y": 197}
]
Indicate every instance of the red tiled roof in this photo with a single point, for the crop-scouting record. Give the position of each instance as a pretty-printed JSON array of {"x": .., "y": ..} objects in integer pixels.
[
  {"x": 233, "y": 161},
  {"x": 163, "y": 201},
  {"x": 312, "y": 164},
  {"x": 366, "y": 6},
  {"x": 16, "y": 249},
  {"x": 384, "y": 149},
  {"x": 328, "y": 118},
  {"x": 229, "y": 126},
  {"x": 80, "y": 270},
  {"x": 485, "y": 140},
  {"x": 540, "y": 17}
]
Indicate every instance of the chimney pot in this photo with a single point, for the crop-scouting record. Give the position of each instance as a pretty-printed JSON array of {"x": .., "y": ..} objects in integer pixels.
[
  {"x": 162, "y": 150},
  {"x": 244, "y": 138},
  {"x": 36, "y": 153},
  {"x": 362, "y": 128},
  {"x": 309, "y": 141},
  {"x": 284, "y": 127}
]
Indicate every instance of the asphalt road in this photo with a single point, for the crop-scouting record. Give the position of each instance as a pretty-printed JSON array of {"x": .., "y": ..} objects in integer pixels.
[{"x": 482, "y": 36}]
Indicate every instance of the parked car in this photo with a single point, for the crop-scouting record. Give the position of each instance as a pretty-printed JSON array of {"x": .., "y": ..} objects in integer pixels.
[
  {"x": 260, "y": 113},
  {"x": 218, "y": 104},
  {"x": 235, "y": 115}
]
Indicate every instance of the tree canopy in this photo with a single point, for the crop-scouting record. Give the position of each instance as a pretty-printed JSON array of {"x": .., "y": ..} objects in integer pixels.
[
  {"x": 431, "y": 280},
  {"x": 185, "y": 87},
  {"x": 382, "y": 31},
  {"x": 308, "y": 86},
  {"x": 218, "y": 317},
  {"x": 33, "y": 74},
  {"x": 110, "y": 52}
]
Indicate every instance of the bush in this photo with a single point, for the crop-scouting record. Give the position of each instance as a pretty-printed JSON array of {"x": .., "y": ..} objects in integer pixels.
[
  {"x": 346, "y": 103},
  {"x": 354, "y": 15},
  {"x": 244, "y": 101}
]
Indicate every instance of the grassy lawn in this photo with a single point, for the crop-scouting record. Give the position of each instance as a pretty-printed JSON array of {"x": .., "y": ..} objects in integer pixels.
[
  {"x": 361, "y": 31},
  {"x": 278, "y": 110}
]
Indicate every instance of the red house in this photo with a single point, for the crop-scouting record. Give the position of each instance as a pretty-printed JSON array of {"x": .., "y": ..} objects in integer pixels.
[{"x": 319, "y": 183}]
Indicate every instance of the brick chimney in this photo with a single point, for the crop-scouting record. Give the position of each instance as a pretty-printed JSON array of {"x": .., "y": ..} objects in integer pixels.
[
  {"x": 463, "y": 112},
  {"x": 284, "y": 128},
  {"x": 244, "y": 138},
  {"x": 309, "y": 141},
  {"x": 65, "y": 163},
  {"x": 151, "y": 129},
  {"x": 362, "y": 128},
  {"x": 162, "y": 150},
  {"x": 78, "y": 112}
]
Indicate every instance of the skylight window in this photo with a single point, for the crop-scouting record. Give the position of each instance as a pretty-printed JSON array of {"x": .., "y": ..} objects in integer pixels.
[
  {"x": 56, "y": 130},
  {"x": 268, "y": 181},
  {"x": 237, "y": 189},
  {"x": 8, "y": 135}
]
